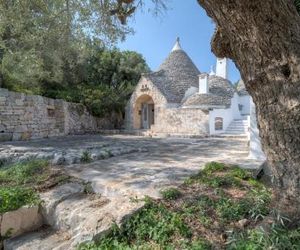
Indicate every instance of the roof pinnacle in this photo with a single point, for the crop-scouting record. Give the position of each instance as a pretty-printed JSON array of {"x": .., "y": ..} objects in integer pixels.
[{"x": 177, "y": 45}]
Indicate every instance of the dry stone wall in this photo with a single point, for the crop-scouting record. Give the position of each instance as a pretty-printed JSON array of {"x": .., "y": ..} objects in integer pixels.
[
  {"x": 25, "y": 117},
  {"x": 187, "y": 121}
]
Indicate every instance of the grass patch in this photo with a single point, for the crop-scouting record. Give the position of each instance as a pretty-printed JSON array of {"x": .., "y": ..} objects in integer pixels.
[
  {"x": 21, "y": 182},
  {"x": 152, "y": 227},
  {"x": 170, "y": 194},
  {"x": 12, "y": 198},
  {"x": 24, "y": 173},
  {"x": 218, "y": 208},
  {"x": 277, "y": 238}
]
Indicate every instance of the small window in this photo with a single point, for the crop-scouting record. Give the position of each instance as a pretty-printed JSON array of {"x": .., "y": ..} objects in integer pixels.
[{"x": 218, "y": 123}]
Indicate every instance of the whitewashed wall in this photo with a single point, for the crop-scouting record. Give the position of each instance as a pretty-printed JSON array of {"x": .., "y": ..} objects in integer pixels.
[
  {"x": 255, "y": 144},
  {"x": 244, "y": 100},
  {"x": 228, "y": 116}
]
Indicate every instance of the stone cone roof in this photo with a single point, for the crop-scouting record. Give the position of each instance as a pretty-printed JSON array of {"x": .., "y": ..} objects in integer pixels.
[{"x": 176, "y": 75}]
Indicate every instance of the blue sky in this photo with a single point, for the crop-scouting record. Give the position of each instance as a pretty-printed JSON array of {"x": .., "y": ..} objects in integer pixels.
[{"x": 155, "y": 36}]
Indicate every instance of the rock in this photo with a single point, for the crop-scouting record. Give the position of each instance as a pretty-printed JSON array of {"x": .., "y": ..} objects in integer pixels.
[
  {"x": 53, "y": 197},
  {"x": 20, "y": 221},
  {"x": 45, "y": 239},
  {"x": 243, "y": 223}
]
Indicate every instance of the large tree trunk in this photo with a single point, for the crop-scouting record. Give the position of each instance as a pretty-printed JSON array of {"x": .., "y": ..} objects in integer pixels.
[{"x": 262, "y": 37}]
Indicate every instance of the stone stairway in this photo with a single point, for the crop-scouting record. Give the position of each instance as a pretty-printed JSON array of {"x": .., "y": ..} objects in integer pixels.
[{"x": 237, "y": 128}]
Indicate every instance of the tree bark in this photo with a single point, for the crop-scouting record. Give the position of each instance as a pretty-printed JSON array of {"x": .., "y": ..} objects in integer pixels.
[{"x": 262, "y": 37}]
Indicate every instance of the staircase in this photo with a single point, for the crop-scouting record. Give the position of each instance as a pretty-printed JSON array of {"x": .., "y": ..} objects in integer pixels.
[{"x": 237, "y": 128}]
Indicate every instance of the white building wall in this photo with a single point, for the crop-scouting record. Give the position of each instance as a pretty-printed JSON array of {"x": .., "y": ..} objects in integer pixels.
[
  {"x": 244, "y": 100},
  {"x": 255, "y": 144},
  {"x": 228, "y": 115}
]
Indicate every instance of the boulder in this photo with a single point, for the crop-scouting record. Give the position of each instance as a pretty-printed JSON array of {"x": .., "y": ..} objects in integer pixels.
[{"x": 22, "y": 220}]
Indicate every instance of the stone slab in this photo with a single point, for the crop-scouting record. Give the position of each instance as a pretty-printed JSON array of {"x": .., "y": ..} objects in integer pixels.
[{"x": 20, "y": 221}]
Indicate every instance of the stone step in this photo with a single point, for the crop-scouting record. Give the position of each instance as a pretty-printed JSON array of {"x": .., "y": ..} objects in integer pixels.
[
  {"x": 82, "y": 217},
  {"x": 237, "y": 128},
  {"x": 232, "y": 129},
  {"x": 44, "y": 239}
]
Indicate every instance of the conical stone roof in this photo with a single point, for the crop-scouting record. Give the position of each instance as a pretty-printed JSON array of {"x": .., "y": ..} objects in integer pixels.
[{"x": 176, "y": 74}]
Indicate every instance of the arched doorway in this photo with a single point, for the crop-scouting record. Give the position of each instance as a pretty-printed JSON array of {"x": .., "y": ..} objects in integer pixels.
[{"x": 144, "y": 112}]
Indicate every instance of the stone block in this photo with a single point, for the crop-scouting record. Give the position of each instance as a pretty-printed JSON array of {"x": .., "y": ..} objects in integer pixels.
[
  {"x": 6, "y": 136},
  {"x": 16, "y": 136},
  {"x": 20, "y": 221}
]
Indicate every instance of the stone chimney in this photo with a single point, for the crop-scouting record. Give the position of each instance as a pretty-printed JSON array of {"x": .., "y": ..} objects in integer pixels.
[
  {"x": 222, "y": 67},
  {"x": 203, "y": 84}
]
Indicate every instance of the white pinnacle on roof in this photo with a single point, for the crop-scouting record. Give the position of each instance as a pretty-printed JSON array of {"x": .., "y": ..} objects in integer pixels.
[{"x": 177, "y": 45}]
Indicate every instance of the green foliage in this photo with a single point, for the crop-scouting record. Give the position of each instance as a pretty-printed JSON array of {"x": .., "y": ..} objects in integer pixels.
[
  {"x": 212, "y": 167},
  {"x": 277, "y": 238},
  {"x": 58, "y": 49},
  {"x": 16, "y": 183},
  {"x": 12, "y": 198},
  {"x": 23, "y": 173},
  {"x": 45, "y": 40},
  {"x": 258, "y": 202},
  {"x": 179, "y": 220},
  {"x": 240, "y": 173},
  {"x": 170, "y": 193},
  {"x": 86, "y": 157},
  {"x": 152, "y": 227},
  {"x": 220, "y": 181}
]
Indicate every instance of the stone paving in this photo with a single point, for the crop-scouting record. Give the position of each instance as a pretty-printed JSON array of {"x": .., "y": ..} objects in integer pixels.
[
  {"x": 141, "y": 165},
  {"x": 136, "y": 167},
  {"x": 66, "y": 150},
  {"x": 166, "y": 162}
]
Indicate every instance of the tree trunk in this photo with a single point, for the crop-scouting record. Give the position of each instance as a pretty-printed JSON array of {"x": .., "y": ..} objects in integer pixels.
[{"x": 262, "y": 37}]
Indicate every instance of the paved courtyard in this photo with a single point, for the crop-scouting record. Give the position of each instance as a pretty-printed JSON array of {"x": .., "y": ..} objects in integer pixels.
[
  {"x": 132, "y": 165},
  {"x": 122, "y": 167}
]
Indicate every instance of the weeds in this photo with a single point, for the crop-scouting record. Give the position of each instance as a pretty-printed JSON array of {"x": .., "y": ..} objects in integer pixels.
[
  {"x": 170, "y": 194},
  {"x": 190, "y": 216},
  {"x": 18, "y": 181},
  {"x": 278, "y": 238},
  {"x": 24, "y": 173},
  {"x": 12, "y": 198},
  {"x": 86, "y": 157}
]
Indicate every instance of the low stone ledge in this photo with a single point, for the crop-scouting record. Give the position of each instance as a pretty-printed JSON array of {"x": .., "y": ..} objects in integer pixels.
[{"x": 22, "y": 220}]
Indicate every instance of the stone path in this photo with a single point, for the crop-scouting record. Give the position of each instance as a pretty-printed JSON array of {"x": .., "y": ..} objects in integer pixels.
[
  {"x": 66, "y": 150},
  {"x": 150, "y": 165}
]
